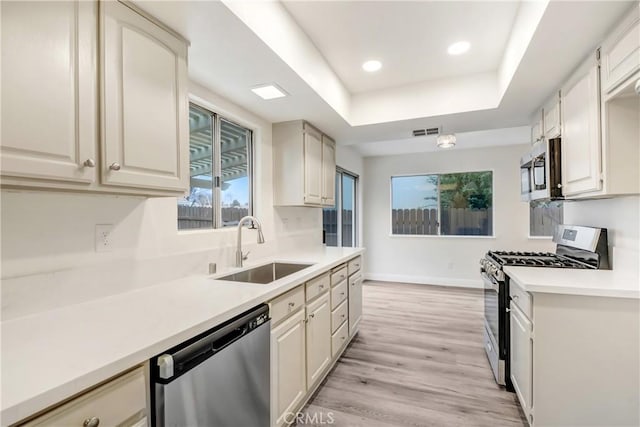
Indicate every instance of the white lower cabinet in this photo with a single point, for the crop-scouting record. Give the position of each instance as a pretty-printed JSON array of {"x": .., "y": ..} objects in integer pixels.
[
  {"x": 355, "y": 302},
  {"x": 119, "y": 402},
  {"x": 288, "y": 367},
  {"x": 318, "y": 337},
  {"x": 521, "y": 358}
]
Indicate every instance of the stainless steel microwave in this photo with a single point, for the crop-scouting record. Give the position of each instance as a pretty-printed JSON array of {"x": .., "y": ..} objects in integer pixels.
[{"x": 540, "y": 172}]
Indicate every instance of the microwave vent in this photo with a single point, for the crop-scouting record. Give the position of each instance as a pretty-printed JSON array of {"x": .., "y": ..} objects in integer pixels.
[
  {"x": 433, "y": 131},
  {"x": 419, "y": 132}
]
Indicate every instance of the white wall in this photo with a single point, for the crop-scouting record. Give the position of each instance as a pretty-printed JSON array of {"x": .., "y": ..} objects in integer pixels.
[
  {"x": 436, "y": 259},
  {"x": 620, "y": 216},
  {"x": 48, "y": 238},
  {"x": 349, "y": 159}
]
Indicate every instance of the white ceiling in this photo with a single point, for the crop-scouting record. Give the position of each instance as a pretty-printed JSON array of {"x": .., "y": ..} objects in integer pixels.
[
  {"x": 409, "y": 37},
  {"x": 229, "y": 58}
]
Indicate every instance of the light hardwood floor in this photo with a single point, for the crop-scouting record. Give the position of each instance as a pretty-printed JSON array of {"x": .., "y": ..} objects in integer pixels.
[{"x": 418, "y": 360}]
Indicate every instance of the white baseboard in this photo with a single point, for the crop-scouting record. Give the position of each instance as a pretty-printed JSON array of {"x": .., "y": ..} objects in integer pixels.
[{"x": 425, "y": 280}]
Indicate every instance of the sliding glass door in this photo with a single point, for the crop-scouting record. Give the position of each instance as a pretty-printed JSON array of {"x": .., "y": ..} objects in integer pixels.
[{"x": 339, "y": 221}]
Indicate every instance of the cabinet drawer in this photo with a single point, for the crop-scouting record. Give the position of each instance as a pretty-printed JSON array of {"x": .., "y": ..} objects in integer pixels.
[
  {"x": 521, "y": 298},
  {"x": 121, "y": 401},
  {"x": 339, "y": 316},
  {"x": 339, "y": 294},
  {"x": 339, "y": 274},
  {"x": 286, "y": 304},
  {"x": 339, "y": 339},
  {"x": 318, "y": 285},
  {"x": 354, "y": 265}
]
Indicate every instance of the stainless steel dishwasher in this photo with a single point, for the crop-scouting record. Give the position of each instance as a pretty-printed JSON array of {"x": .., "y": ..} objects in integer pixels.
[{"x": 219, "y": 378}]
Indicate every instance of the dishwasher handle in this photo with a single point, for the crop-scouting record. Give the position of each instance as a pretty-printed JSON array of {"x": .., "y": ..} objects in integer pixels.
[{"x": 182, "y": 359}]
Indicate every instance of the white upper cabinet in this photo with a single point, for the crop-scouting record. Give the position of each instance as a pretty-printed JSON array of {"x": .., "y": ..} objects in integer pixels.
[
  {"x": 304, "y": 165},
  {"x": 621, "y": 52},
  {"x": 328, "y": 171},
  {"x": 52, "y": 89},
  {"x": 312, "y": 166},
  {"x": 144, "y": 99},
  {"x": 537, "y": 128},
  {"x": 581, "y": 149},
  {"x": 551, "y": 118},
  {"x": 49, "y": 91}
]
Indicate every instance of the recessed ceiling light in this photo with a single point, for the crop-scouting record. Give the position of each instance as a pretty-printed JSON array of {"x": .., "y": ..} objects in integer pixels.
[
  {"x": 372, "y": 66},
  {"x": 459, "y": 48},
  {"x": 269, "y": 91}
]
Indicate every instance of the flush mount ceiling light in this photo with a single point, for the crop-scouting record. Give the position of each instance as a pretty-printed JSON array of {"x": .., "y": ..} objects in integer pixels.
[
  {"x": 270, "y": 91},
  {"x": 459, "y": 48},
  {"x": 446, "y": 141},
  {"x": 372, "y": 66}
]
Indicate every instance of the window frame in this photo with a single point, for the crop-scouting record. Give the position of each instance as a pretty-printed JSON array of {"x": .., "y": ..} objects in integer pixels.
[
  {"x": 443, "y": 236},
  {"x": 216, "y": 203}
]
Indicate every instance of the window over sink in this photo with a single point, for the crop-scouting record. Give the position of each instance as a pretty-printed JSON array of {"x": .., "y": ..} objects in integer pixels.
[
  {"x": 451, "y": 204},
  {"x": 220, "y": 154}
]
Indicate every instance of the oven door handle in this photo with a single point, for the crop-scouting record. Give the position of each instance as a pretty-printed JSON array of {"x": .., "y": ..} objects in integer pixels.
[{"x": 488, "y": 282}]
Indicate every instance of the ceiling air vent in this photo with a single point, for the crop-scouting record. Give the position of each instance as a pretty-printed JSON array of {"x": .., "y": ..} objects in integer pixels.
[{"x": 424, "y": 132}]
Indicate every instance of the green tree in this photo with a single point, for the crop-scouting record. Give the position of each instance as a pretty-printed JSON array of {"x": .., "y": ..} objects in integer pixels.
[{"x": 466, "y": 190}]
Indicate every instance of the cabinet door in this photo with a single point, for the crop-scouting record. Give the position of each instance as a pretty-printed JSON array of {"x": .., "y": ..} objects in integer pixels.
[
  {"x": 318, "y": 338},
  {"x": 355, "y": 303},
  {"x": 328, "y": 171},
  {"x": 312, "y": 167},
  {"x": 581, "y": 149},
  {"x": 536, "y": 132},
  {"x": 288, "y": 370},
  {"x": 521, "y": 358},
  {"x": 552, "y": 120},
  {"x": 621, "y": 52},
  {"x": 49, "y": 90},
  {"x": 145, "y": 105}
]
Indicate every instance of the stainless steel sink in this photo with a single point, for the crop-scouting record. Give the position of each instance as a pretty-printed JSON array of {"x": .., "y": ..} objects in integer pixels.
[{"x": 265, "y": 273}]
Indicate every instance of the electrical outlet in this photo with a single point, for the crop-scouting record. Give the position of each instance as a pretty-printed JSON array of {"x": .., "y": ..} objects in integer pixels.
[{"x": 104, "y": 237}]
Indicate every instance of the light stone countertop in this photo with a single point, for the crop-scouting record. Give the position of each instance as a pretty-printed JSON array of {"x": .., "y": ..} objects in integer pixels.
[
  {"x": 50, "y": 356},
  {"x": 570, "y": 281}
]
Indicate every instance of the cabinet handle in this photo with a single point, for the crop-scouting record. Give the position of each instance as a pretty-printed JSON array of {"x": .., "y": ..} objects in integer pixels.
[
  {"x": 91, "y": 422},
  {"x": 321, "y": 286},
  {"x": 342, "y": 315},
  {"x": 311, "y": 316},
  {"x": 515, "y": 297},
  {"x": 89, "y": 163},
  {"x": 115, "y": 166},
  {"x": 341, "y": 293},
  {"x": 291, "y": 304}
]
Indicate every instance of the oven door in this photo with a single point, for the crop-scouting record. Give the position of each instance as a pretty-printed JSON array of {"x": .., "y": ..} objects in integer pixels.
[
  {"x": 492, "y": 334},
  {"x": 491, "y": 305}
]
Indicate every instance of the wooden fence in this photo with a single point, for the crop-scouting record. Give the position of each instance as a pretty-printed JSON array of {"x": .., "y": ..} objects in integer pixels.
[
  {"x": 330, "y": 225},
  {"x": 453, "y": 221},
  {"x": 190, "y": 217}
]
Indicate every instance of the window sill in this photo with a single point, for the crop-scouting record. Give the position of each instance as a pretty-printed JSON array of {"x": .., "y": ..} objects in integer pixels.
[{"x": 433, "y": 236}]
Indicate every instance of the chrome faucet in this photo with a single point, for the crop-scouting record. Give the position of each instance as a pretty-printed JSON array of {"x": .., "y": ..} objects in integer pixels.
[{"x": 239, "y": 255}]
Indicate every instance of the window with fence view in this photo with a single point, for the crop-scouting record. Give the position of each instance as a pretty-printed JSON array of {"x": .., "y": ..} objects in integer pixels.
[
  {"x": 220, "y": 168},
  {"x": 452, "y": 204}
]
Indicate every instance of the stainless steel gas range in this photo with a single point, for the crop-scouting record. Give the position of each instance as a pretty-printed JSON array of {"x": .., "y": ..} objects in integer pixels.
[{"x": 576, "y": 247}]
